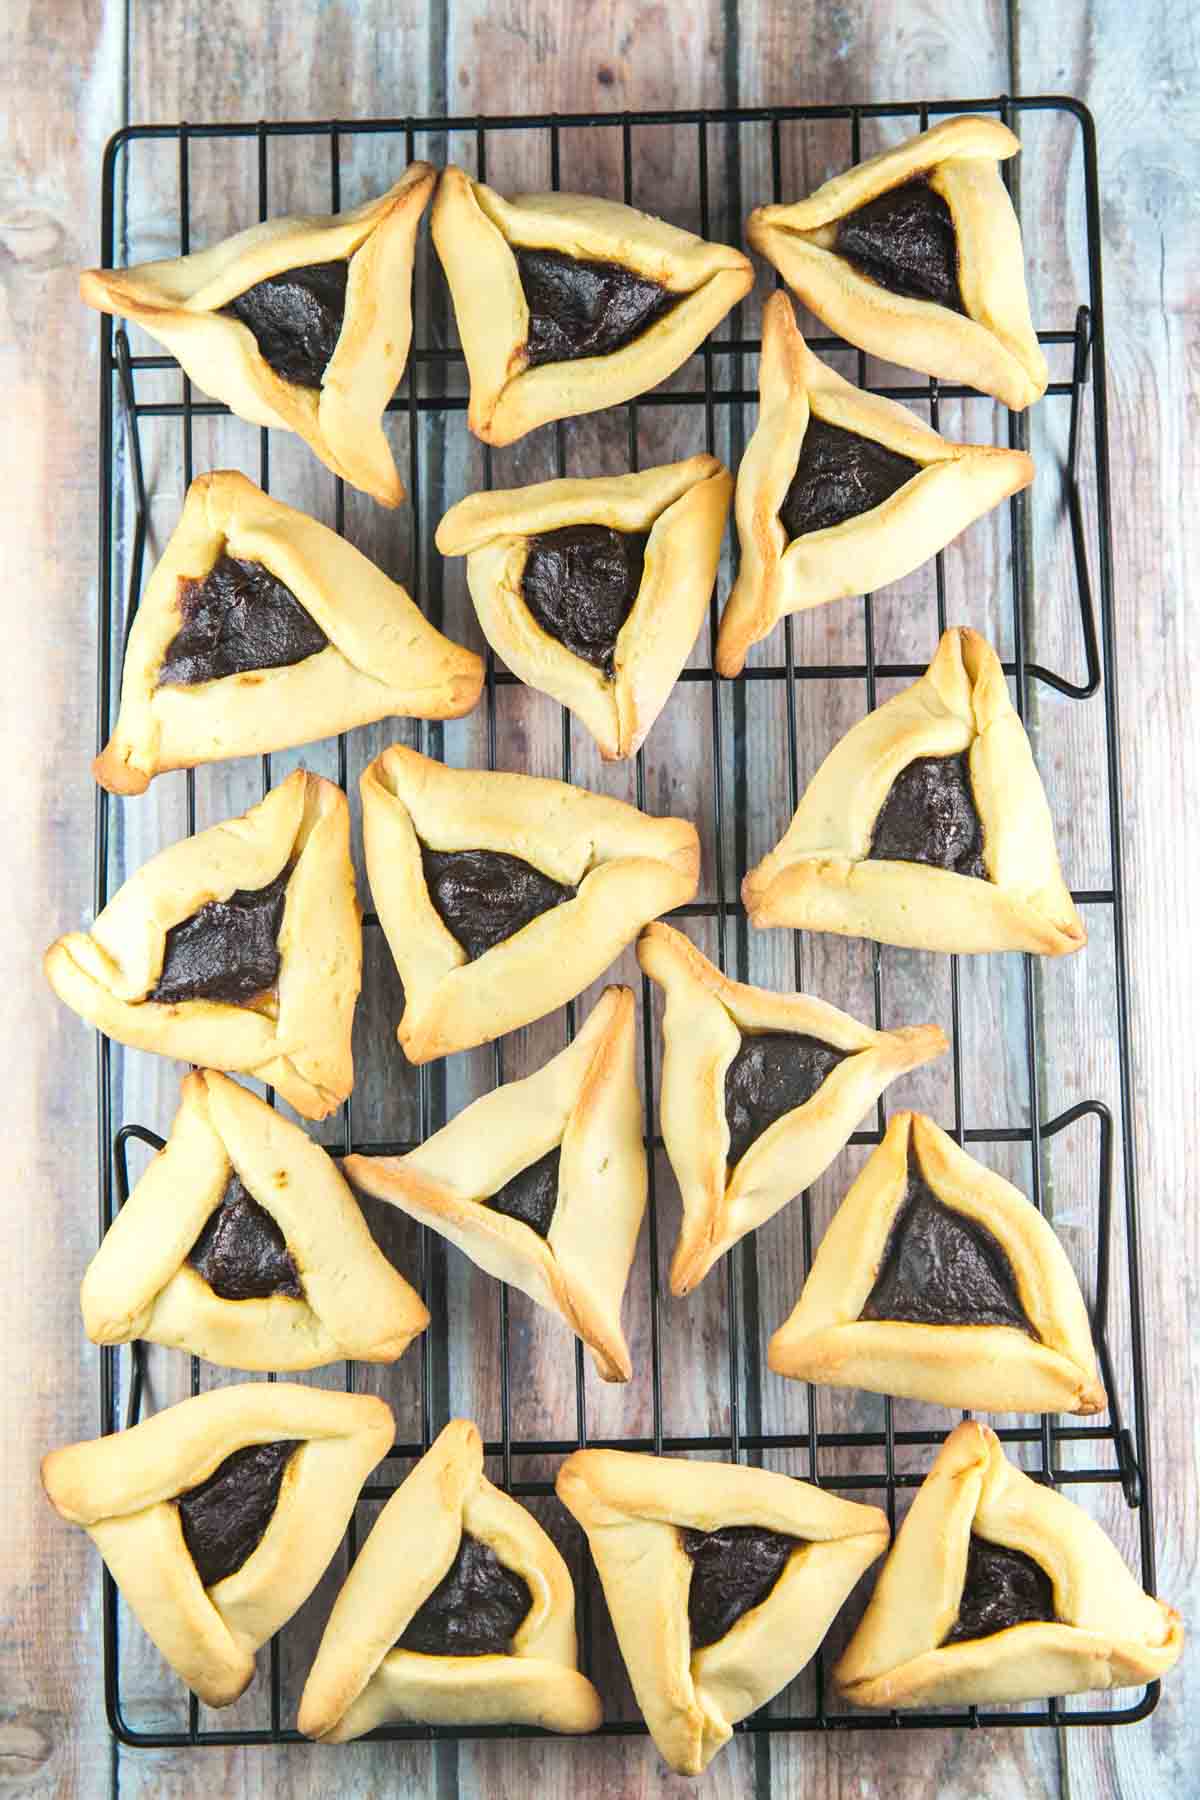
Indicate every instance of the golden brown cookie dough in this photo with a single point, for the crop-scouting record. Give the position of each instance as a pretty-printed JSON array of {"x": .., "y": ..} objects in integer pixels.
[
  {"x": 480, "y": 237},
  {"x": 295, "y": 1033},
  {"x": 381, "y": 658},
  {"x": 543, "y": 1181},
  {"x": 1034, "y": 1354},
  {"x": 125, "y": 1490},
  {"x": 829, "y": 872},
  {"x": 600, "y": 870},
  {"x": 942, "y": 488},
  {"x": 694, "y": 1679},
  {"x": 707, "y": 1020},
  {"x": 933, "y": 1635},
  {"x": 242, "y": 1243},
  {"x": 680, "y": 509},
  {"x": 403, "y": 1585},
  {"x": 990, "y": 344},
  {"x": 184, "y": 303}
]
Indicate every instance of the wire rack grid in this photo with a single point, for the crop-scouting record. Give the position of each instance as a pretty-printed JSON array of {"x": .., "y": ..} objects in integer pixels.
[{"x": 1123, "y": 1465}]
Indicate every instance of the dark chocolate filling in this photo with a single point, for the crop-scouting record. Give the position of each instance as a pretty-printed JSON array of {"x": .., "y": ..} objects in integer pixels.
[
  {"x": 532, "y": 1195},
  {"x": 941, "y": 1268},
  {"x": 580, "y": 584},
  {"x": 773, "y": 1072},
  {"x": 225, "y": 1517},
  {"x": 579, "y": 308},
  {"x": 241, "y": 1252},
  {"x": 905, "y": 240},
  {"x": 227, "y": 950},
  {"x": 1002, "y": 1588},
  {"x": 839, "y": 476},
  {"x": 239, "y": 618},
  {"x": 733, "y": 1569},
  {"x": 484, "y": 896},
  {"x": 476, "y": 1608},
  {"x": 930, "y": 817},
  {"x": 296, "y": 318}
]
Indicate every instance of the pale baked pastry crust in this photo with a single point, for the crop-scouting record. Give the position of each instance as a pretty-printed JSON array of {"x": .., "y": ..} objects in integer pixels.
[
  {"x": 360, "y": 1680},
  {"x": 993, "y": 347},
  {"x": 585, "y": 1100},
  {"x": 1108, "y": 1633},
  {"x": 956, "y": 484},
  {"x": 179, "y": 301},
  {"x": 383, "y": 658},
  {"x": 140, "y": 1284},
  {"x": 297, "y": 1041},
  {"x": 475, "y": 230},
  {"x": 682, "y": 505},
  {"x": 819, "y": 876},
  {"x": 122, "y": 1490},
  {"x": 627, "y": 866},
  {"x": 633, "y": 1508},
  {"x": 704, "y": 1019},
  {"x": 991, "y": 1368}
]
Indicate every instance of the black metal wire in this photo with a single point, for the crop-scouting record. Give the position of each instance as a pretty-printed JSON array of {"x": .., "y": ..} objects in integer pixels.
[{"x": 1120, "y": 1457}]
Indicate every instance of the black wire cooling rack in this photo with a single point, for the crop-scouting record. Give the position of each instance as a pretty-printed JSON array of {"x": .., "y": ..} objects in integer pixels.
[{"x": 1112, "y": 1452}]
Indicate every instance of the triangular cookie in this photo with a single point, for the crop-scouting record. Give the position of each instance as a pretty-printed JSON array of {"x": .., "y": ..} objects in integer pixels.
[
  {"x": 594, "y": 590},
  {"x": 504, "y": 896},
  {"x": 241, "y": 1243},
  {"x": 937, "y": 1280},
  {"x": 927, "y": 825},
  {"x": 721, "y": 1581},
  {"x": 759, "y": 1093},
  {"x": 239, "y": 948},
  {"x": 260, "y": 630},
  {"x": 458, "y": 1611},
  {"x": 543, "y": 1181},
  {"x": 299, "y": 323},
  {"x": 915, "y": 255},
  {"x": 218, "y": 1517},
  {"x": 841, "y": 491},
  {"x": 999, "y": 1588},
  {"x": 566, "y": 303}
]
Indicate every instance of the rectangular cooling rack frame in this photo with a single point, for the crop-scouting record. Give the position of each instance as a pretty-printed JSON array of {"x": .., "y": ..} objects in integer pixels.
[{"x": 122, "y": 473}]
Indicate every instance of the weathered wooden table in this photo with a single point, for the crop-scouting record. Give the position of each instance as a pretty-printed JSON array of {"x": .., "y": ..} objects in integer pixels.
[{"x": 72, "y": 73}]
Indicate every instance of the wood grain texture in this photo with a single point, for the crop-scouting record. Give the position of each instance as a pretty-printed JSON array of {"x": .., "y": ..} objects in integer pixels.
[
  {"x": 59, "y": 92},
  {"x": 1138, "y": 70},
  {"x": 463, "y": 57}
]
